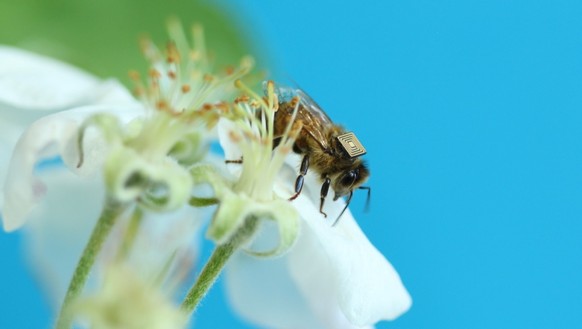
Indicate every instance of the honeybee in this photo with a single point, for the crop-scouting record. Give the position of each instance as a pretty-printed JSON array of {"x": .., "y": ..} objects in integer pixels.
[{"x": 326, "y": 147}]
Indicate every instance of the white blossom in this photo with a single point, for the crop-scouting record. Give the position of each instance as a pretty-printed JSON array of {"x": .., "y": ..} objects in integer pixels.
[
  {"x": 93, "y": 140},
  {"x": 33, "y": 92},
  {"x": 60, "y": 203},
  {"x": 331, "y": 277},
  {"x": 297, "y": 271}
]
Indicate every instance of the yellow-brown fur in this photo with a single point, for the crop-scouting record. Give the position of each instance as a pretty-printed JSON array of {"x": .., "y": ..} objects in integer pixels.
[{"x": 318, "y": 141}]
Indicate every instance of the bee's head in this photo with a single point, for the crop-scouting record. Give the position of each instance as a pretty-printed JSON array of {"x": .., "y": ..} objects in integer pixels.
[{"x": 350, "y": 179}]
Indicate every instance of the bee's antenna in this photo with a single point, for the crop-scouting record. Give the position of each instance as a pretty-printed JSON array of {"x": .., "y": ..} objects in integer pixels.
[
  {"x": 367, "y": 208},
  {"x": 346, "y": 207}
]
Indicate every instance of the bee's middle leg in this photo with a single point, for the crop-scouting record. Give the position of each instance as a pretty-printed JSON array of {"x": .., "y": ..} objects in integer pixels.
[
  {"x": 323, "y": 194},
  {"x": 301, "y": 177}
]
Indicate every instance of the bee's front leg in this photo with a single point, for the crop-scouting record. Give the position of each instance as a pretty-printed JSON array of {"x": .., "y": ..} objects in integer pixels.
[{"x": 301, "y": 177}]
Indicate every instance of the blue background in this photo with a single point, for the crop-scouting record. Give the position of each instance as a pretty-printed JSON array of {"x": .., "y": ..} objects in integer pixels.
[{"x": 471, "y": 112}]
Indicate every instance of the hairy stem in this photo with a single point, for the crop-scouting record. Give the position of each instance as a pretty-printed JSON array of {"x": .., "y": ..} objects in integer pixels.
[
  {"x": 216, "y": 264},
  {"x": 111, "y": 211},
  {"x": 130, "y": 234}
]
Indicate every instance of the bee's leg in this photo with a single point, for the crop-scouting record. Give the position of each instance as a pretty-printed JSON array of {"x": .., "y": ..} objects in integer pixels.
[
  {"x": 300, "y": 178},
  {"x": 276, "y": 141},
  {"x": 297, "y": 149},
  {"x": 346, "y": 207},
  {"x": 324, "y": 190},
  {"x": 368, "y": 198},
  {"x": 239, "y": 161}
]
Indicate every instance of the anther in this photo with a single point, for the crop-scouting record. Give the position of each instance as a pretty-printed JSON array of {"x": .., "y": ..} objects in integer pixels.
[
  {"x": 154, "y": 74},
  {"x": 207, "y": 107},
  {"x": 173, "y": 54},
  {"x": 134, "y": 75},
  {"x": 222, "y": 106},
  {"x": 284, "y": 149},
  {"x": 242, "y": 99},
  {"x": 162, "y": 105},
  {"x": 234, "y": 136},
  {"x": 208, "y": 78},
  {"x": 138, "y": 91}
]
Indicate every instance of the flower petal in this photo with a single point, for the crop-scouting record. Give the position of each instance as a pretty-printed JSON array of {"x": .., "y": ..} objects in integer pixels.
[
  {"x": 59, "y": 228},
  {"x": 319, "y": 272},
  {"x": 53, "y": 135},
  {"x": 261, "y": 291},
  {"x": 33, "y": 82},
  {"x": 338, "y": 265},
  {"x": 32, "y": 85}
]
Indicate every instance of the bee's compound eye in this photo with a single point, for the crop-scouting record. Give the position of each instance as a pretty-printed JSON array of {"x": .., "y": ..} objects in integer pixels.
[{"x": 349, "y": 178}]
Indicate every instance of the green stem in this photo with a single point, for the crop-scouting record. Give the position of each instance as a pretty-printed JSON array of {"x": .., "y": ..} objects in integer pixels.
[
  {"x": 109, "y": 214},
  {"x": 208, "y": 276},
  {"x": 202, "y": 202},
  {"x": 215, "y": 264},
  {"x": 130, "y": 234}
]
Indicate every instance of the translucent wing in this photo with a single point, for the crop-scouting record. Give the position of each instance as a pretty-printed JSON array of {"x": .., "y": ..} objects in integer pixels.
[
  {"x": 286, "y": 94},
  {"x": 314, "y": 119},
  {"x": 313, "y": 107}
]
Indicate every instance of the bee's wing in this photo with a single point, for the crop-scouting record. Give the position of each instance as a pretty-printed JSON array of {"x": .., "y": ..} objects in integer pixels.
[
  {"x": 313, "y": 107},
  {"x": 315, "y": 120},
  {"x": 286, "y": 94}
]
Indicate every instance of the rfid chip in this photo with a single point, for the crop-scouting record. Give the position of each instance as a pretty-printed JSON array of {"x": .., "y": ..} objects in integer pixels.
[{"x": 351, "y": 144}]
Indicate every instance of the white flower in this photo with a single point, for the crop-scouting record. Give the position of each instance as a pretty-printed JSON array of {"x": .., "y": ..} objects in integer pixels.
[
  {"x": 323, "y": 277},
  {"x": 33, "y": 91},
  {"x": 332, "y": 277},
  {"x": 60, "y": 216},
  {"x": 139, "y": 147},
  {"x": 178, "y": 98},
  {"x": 250, "y": 196}
]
